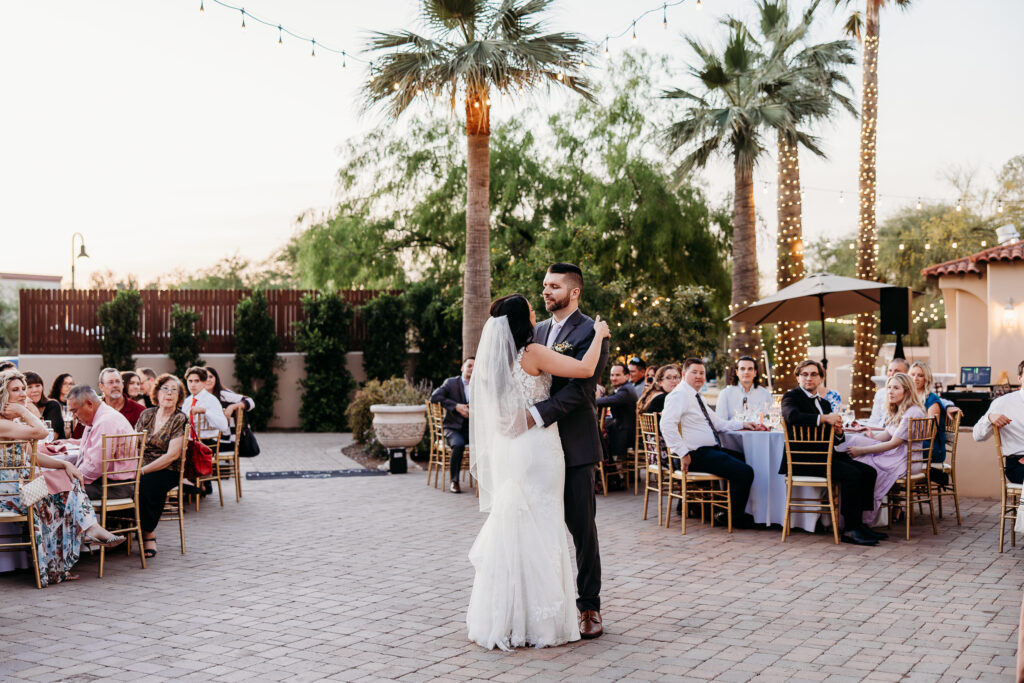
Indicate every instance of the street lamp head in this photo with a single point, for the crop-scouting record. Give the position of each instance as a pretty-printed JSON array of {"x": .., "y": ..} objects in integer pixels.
[{"x": 82, "y": 254}]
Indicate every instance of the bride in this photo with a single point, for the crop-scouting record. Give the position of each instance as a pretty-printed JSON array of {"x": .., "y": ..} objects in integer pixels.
[{"x": 524, "y": 587}]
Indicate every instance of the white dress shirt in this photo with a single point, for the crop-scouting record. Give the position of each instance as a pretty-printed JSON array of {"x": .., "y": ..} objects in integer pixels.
[
  {"x": 879, "y": 409},
  {"x": 214, "y": 414},
  {"x": 465, "y": 389},
  {"x": 730, "y": 400},
  {"x": 1012, "y": 435},
  {"x": 683, "y": 424}
]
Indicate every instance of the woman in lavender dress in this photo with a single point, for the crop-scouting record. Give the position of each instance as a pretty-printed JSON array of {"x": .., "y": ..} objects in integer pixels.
[{"x": 886, "y": 449}]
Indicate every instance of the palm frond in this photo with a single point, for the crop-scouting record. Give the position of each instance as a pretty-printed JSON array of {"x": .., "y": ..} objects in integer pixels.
[{"x": 854, "y": 25}]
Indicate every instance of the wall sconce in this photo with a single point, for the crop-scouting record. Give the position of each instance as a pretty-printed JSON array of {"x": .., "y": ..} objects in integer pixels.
[{"x": 1009, "y": 315}]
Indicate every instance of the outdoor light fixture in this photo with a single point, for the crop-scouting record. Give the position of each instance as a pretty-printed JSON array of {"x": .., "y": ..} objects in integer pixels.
[
  {"x": 81, "y": 254},
  {"x": 1009, "y": 315}
]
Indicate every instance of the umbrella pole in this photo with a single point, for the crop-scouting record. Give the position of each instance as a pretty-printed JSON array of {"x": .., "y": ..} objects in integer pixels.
[{"x": 824, "y": 354}]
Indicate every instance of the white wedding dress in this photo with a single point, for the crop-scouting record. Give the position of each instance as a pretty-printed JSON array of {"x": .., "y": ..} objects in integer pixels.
[{"x": 524, "y": 589}]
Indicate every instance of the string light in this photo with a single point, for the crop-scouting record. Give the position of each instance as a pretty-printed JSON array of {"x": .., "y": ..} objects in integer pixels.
[
  {"x": 959, "y": 207},
  {"x": 634, "y": 31},
  {"x": 999, "y": 207},
  {"x": 280, "y": 37},
  {"x": 699, "y": 5},
  {"x": 243, "y": 17},
  {"x": 201, "y": 8},
  {"x": 664, "y": 16},
  {"x": 918, "y": 203}
]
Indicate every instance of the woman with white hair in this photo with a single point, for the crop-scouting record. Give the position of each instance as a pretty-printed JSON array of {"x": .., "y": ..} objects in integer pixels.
[{"x": 64, "y": 518}]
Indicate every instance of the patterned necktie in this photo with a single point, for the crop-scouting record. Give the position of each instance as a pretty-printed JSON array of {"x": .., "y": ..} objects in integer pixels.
[{"x": 703, "y": 409}]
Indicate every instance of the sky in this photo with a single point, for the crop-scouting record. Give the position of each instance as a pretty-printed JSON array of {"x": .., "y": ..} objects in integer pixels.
[{"x": 171, "y": 138}]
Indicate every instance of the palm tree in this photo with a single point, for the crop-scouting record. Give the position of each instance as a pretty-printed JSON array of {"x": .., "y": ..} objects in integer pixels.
[
  {"x": 821, "y": 65},
  {"x": 746, "y": 94},
  {"x": 477, "y": 46},
  {"x": 864, "y": 26}
]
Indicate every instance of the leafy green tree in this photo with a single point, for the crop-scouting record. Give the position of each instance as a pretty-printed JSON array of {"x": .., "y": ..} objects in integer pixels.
[
  {"x": 8, "y": 327},
  {"x": 435, "y": 320},
  {"x": 477, "y": 46},
  {"x": 256, "y": 359},
  {"x": 663, "y": 329},
  {"x": 324, "y": 337},
  {"x": 740, "y": 101},
  {"x": 384, "y": 349},
  {"x": 120, "y": 320},
  {"x": 185, "y": 339}
]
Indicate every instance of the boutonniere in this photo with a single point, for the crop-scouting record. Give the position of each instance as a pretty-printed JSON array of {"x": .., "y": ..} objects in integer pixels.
[{"x": 564, "y": 348}]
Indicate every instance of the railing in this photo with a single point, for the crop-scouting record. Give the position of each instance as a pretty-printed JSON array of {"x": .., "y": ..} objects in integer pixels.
[{"x": 55, "y": 321}]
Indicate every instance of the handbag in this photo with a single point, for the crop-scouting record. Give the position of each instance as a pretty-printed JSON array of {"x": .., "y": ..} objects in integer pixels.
[
  {"x": 199, "y": 462},
  {"x": 34, "y": 491},
  {"x": 248, "y": 447}
]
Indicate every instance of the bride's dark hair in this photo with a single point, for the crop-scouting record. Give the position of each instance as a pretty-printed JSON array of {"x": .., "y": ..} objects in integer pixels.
[{"x": 517, "y": 309}]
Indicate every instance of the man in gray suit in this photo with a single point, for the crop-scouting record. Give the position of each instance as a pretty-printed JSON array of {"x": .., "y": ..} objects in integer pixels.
[
  {"x": 453, "y": 395},
  {"x": 572, "y": 406}
]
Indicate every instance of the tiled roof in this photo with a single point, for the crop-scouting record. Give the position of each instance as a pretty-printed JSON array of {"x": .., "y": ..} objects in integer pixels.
[{"x": 970, "y": 264}]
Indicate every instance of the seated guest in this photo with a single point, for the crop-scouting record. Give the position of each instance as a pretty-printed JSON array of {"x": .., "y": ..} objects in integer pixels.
[
  {"x": 230, "y": 402},
  {"x": 63, "y": 518},
  {"x": 830, "y": 395},
  {"x": 148, "y": 379},
  {"x": 7, "y": 365},
  {"x": 59, "y": 392},
  {"x": 691, "y": 432},
  {"x": 1007, "y": 414},
  {"x": 746, "y": 396},
  {"x": 665, "y": 379},
  {"x": 637, "y": 374},
  {"x": 453, "y": 395},
  {"x": 132, "y": 386},
  {"x": 652, "y": 370},
  {"x": 921, "y": 374},
  {"x": 48, "y": 408},
  {"x": 886, "y": 450},
  {"x": 202, "y": 402},
  {"x": 112, "y": 389},
  {"x": 165, "y": 426},
  {"x": 802, "y": 407},
  {"x": 621, "y": 422},
  {"x": 99, "y": 420}
]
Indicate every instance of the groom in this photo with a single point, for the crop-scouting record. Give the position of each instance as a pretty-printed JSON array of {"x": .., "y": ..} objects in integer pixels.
[{"x": 571, "y": 405}]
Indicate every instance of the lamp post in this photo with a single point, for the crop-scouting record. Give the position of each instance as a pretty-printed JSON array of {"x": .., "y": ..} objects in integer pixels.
[{"x": 81, "y": 254}]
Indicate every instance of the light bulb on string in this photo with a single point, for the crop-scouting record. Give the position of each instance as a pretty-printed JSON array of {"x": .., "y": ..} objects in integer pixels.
[
  {"x": 959, "y": 206},
  {"x": 699, "y": 5},
  {"x": 984, "y": 243},
  {"x": 634, "y": 31},
  {"x": 201, "y": 8},
  {"x": 313, "y": 51},
  {"x": 927, "y": 246},
  {"x": 344, "y": 60},
  {"x": 841, "y": 198},
  {"x": 243, "y": 17},
  {"x": 954, "y": 244},
  {"x": 901, "y": 246},
  {"x": 999, "y": 206},
  {"x": 280, "y": 35},
  {"x": 664, "y": 15},
  {"x": 918, "y": 203},
  {"x": 606, "y": 51}
]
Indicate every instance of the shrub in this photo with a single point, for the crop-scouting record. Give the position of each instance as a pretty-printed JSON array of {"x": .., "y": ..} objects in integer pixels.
[
  {"x": 384, "y": 351},
  {"x": 324, "y": 337},
  {"x": 120, "y": 320},
  {"x": 396, "y": 391},
  {"x": 435, "y": 317},
  {"x": 183, "y": 343},
  {"x": 256, "y": 361}
]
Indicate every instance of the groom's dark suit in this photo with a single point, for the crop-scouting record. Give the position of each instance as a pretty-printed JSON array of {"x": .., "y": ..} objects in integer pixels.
[{"x": 572, "y": 406}]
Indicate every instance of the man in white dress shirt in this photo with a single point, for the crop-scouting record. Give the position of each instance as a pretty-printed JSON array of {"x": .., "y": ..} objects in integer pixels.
[
  {"x": 1007, "y": 413},
  {"x": 691, "y": 433},
  {"x": 202, "y": 402},
  {"x": 745, "y": 394}
]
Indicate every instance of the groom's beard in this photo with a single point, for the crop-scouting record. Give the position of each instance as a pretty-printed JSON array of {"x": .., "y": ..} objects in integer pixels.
[{"x": 552, "y": 305}]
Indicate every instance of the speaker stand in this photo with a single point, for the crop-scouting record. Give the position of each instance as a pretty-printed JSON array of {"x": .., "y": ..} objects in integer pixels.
[{"x": 899, "y": 353}]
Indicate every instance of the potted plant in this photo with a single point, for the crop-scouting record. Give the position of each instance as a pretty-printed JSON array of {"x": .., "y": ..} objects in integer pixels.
[{"x": 397, "y": 410}]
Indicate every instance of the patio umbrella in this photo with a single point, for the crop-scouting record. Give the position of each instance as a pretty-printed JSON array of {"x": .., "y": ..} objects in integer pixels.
[{"x": 818, "y": 295}]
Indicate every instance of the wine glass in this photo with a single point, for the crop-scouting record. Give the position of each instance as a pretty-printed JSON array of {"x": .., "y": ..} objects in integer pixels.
[
  {"x": 774, "y": 418},
  {"x": 49, "y": 431},
  {"x": 849, "y": 417}
]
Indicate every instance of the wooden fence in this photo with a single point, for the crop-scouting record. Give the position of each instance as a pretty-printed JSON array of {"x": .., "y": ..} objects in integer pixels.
[{"x": 53, "y": 321}]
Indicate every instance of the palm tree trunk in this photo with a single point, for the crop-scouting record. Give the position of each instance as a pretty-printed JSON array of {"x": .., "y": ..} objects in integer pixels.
[
  {"x": 476, "y": 299},
  {"x": 791, "y": 336},
  {"x": 744, "y": 340},
  {"x": 865, "y": 340}
]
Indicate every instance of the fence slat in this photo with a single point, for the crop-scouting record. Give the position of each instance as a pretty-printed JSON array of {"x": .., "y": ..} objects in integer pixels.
[{"x": 53, "y": 321}]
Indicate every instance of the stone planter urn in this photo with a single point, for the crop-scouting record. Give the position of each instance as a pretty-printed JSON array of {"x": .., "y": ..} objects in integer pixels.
[{"x": 399, "y": 426}]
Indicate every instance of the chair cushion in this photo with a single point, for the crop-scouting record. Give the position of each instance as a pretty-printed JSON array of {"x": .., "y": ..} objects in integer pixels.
[
  {"x": 1014, "y": 487},
  {"x": 944, "y": 466},
  {"x": 114, "y": 502},
  {"x": 913, "y": 477},
  {"x": 6, "y": 514},
  {"x": 809, "y": 480}
]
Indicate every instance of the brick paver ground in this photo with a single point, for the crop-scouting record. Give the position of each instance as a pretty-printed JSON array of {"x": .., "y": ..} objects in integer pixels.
[{"x": 366, "y": 578}]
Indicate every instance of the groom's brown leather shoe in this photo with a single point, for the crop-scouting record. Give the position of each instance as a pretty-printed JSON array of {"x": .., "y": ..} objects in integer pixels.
[{"x": 590, "y": 624}]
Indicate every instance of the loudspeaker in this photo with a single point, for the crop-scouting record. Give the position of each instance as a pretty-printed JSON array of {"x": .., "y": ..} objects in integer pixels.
[{"x": 895, "y": 310}]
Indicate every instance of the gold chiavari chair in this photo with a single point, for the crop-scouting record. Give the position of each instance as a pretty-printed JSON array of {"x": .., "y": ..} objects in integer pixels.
[
  {"x": 203, "y": 425},
  {"x": 949, "y": 467},
  {"x": 805, "y": 447},
  {"x": 656, "y": 468},
  {"x": 122, "y": 454},
  {"x": 698, "y": 487},
  {"x": 440, "y": 452},
  {"x": 17, "y": 457},
  {"x": 619, "y": 467},
  {"x": 914, "y": 487},
  {"x": 1010, "y": 496},
  {"x": 639, "y": 456},
  {"x": 226, "y": 463},
  {"x": 174, "y": 508}
]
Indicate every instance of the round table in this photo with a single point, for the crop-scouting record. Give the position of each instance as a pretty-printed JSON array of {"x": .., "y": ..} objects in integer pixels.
[{"x": 764, "y": 451}]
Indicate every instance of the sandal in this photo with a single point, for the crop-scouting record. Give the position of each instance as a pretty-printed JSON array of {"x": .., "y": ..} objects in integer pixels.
[
  {"x": 146, "y": 550},
  {"x": 112, "y": 542}
]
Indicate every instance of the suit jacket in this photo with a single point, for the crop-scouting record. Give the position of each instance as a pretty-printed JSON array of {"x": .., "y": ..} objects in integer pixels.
[
  {"x": 448, "y": 395},
  {"x": 572, "y": 401},
  {"x": 622, "y": 429},
  {"x": 798, "y": 410}
]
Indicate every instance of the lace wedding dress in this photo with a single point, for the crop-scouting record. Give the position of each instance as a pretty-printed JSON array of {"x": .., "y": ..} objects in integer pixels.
[{"x": 524, "y": 589}]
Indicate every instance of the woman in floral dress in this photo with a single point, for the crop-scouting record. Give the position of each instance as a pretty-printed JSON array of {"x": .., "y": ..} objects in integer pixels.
[{"x": 62, "y": 520}]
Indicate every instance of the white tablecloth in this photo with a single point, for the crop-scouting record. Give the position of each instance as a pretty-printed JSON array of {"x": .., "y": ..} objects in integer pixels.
[{"x": 764, "y": 451}]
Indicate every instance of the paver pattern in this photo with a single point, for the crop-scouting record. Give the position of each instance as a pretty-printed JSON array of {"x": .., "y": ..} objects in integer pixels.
[{"x": 366, "y": 578}]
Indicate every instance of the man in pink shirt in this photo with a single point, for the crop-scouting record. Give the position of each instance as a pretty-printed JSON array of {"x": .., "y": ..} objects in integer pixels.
[{"x": 99, "y": 420}]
